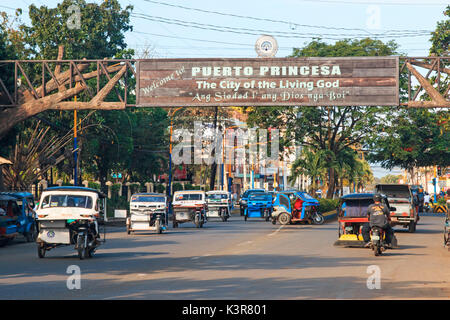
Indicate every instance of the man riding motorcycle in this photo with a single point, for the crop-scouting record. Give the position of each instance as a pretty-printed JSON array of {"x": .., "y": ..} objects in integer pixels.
[{"x": 379, "y": 216}]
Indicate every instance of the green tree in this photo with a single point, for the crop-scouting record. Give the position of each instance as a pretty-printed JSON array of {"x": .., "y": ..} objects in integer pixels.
[{"x": 440, "y": 38}]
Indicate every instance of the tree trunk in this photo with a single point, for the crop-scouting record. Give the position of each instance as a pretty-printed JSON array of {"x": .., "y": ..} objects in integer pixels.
[{"x": 331, "y": 183}]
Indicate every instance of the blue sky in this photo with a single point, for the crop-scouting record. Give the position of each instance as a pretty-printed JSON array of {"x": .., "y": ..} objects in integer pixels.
[
  {"x": 169, "y": 40},
  {"x": 335, "y": 19}
]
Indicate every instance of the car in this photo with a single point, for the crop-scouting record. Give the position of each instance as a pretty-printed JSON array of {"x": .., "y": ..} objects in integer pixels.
[{"x": 244, "y": 199}]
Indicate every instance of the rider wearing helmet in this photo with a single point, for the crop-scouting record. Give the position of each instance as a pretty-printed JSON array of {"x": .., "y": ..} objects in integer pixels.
[{"x": 379, "y": 216}]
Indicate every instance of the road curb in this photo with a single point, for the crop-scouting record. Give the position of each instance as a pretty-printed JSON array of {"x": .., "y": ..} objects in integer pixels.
[{"x": 330, "y": 215}]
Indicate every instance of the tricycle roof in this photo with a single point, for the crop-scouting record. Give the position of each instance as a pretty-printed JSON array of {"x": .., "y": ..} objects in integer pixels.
[
  {"x": 17, "y": 195},
  {"x": 149, "y": 194},
  {"x": 190, "y": 191},
  {"x": 355, "y": 196},
  {"x": 218, "y": 192},
  {"x": 70, "y": 188}
]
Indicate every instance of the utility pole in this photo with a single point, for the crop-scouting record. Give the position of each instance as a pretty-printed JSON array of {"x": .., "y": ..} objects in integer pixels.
[{"x": 75, "y": 147}]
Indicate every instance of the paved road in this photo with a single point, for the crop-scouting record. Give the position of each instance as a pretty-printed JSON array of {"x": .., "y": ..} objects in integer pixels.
[{"x": 233, "y": 260}]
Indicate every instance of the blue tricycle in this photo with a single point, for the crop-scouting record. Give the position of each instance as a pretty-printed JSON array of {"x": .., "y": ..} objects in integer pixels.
[
  {"x": 259, "y": 205},
  {"x": 295, "y": 207},
  {"x": 17, "y": 216}
]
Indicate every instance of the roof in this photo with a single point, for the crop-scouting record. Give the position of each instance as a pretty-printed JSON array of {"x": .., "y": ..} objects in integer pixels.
[
  {"x": 76, "y": 188},
  {"x": 17, "y": 195},
  {"x": 5, "y": 197},
  {"x": 218, "y": 191},
  {"x": 190, "y": 191},
  {"x": 149, "y": 194}
]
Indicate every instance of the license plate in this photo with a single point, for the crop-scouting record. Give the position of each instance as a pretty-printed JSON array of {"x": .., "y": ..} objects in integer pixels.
[{"x": 375, "y": 237}]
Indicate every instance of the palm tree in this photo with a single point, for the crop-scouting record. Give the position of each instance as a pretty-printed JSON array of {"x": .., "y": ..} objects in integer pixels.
[{"x": 313, "y": 164}]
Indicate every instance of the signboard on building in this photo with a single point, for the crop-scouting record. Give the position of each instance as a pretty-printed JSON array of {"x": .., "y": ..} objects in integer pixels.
[{"x": 344, "y": 81}]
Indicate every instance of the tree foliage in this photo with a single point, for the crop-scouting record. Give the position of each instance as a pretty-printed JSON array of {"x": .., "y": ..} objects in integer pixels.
[{"x": 332, "y": 129}]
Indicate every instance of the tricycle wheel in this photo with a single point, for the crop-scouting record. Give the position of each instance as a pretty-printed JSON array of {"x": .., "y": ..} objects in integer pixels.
[
  {"x": 128, "y": 229},
  {"x": 411, "y": 227},
  {"x": 3, "y": 242},
  {"x": 32, "y": 234},
  {"x": 284, "y": 218},
  {"x": 318, "y": 219},
  {"x": 90, "y": 252},
  {"x": 82, "y": 253},
  {"x": 41, "y": 251},
  {"x": 245, "y": 217},
  {"x": 158, "y": 227},
  {"x": 376, "y": 250},
  {"x": 274, "y": 221},
  {"x": 175, "y": 224}
]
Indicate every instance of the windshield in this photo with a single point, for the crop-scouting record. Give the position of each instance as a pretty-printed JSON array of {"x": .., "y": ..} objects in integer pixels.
[
  {"x": 260, "y": 197},
  {"x": 148, "y": 199},
  {"x": 217, "y": 196},
  {"x": 67, "y": 200},
  {"x": 246, "y": 193},
  {"x": 188, "y": 196}
]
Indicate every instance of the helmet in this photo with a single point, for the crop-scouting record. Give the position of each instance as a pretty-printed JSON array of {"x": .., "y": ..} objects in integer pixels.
[{"x": 377, "y": 197}]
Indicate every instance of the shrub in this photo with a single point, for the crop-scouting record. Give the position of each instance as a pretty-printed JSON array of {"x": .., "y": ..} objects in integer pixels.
[
  {"x": 94, "y": 185},
  {"x": 160, "y": 188},
  {"x": 326, "y": 205},
  {"x": 177, "y": 187}
]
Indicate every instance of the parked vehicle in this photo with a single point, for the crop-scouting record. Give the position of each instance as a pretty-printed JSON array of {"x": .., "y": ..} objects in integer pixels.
[
  {"x": 148, "y": 212},
  {"x": 189, "y": 206},
  {"x": 17, "y": 216},
  {"x": 295, "y": 207},
  {"x": 244, "y": 199},
  {"x": 219, "y": 204},
  {"x": 69, "y": 216},
  {"x": 400, "y": 196},
  {"x": 352, "y": 215},
  {"x": 259, "y": 205}
]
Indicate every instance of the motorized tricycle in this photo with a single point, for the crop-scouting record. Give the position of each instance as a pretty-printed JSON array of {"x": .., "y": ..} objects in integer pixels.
[
  {"x": 352, "y": 216},
  {"x": 148, "y": 212},
  {"x": 295, "y": 207},
  {"x": 189, "y": 206},
  {"x": 17, "y": 216},
  {"x": 259, "y": 205},
  {"x": 219, "y": 204},
  {"x": 69, "y": 216}
]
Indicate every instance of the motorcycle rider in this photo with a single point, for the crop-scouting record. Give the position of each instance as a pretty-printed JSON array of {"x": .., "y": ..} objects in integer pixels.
[{"x": 379, "y": 216}]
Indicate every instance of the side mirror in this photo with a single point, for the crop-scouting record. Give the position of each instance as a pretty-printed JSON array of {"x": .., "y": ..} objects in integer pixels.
[{"x": 393, "y": 209}]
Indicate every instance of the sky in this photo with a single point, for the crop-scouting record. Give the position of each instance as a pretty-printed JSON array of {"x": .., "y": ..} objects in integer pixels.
[{"x": 182, "y": 29}]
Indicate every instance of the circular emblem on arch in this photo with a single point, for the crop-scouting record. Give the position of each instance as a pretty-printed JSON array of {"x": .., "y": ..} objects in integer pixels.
[{"x": 266, "y": 46}]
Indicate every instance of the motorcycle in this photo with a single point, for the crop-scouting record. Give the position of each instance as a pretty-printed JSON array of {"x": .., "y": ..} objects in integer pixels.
[{"x": 377, "y": 238}]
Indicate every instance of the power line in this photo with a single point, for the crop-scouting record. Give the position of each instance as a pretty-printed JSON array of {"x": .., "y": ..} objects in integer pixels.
[{"x": 290, "y": 23}]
